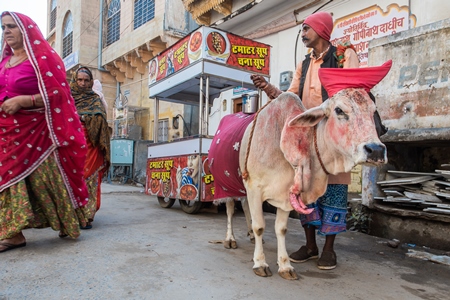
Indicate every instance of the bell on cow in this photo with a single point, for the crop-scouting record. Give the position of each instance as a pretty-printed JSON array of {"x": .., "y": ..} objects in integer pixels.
[{"x": 250, "y": 103}]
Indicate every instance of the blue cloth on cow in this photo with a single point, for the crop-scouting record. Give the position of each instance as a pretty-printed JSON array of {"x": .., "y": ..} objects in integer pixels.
[
  {"x": 223, "y": 156},
  {"x": 330, "y": 211}
]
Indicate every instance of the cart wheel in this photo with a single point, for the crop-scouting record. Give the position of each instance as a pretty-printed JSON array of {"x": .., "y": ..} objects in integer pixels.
[
  {"x": 190, "y": 206},
  {"x": 166, "y": 202}
]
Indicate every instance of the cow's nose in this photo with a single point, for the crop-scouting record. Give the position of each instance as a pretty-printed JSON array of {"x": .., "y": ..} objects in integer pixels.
[{"x": 375, "y": 152}]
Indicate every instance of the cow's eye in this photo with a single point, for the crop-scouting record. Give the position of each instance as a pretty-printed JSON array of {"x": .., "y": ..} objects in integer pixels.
[{"x": 340, "y": 113}]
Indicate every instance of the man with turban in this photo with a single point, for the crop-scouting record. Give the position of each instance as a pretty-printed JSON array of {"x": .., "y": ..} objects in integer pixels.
[{"x": 330, "y": 210}]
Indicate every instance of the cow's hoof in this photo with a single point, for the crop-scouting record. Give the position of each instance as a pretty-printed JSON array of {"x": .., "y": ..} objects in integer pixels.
[
  {"x": 263, "y": 271},
  {"x": 289, "y": 274},
  {"x": 230, "y": 244}
]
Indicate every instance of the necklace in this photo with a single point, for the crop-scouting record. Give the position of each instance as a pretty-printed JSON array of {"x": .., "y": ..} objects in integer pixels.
[
  {"x": 17, "y": 62},
  {"x": 321, "y": 54}
]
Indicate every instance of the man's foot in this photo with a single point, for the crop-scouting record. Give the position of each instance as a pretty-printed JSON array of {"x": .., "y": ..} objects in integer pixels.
[
  {"x": 304, "y": 254},
  {"x": 327, "y": 260}
]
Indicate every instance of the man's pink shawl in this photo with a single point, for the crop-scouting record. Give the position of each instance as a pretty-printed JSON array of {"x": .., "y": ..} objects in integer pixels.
[{"x": 28, "y": 137}]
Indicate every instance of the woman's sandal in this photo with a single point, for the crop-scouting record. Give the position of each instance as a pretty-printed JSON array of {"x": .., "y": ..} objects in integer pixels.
[
  {"x": 88, "y": 226},
  {"x": 62, "y": 235},
  {"x": 10, "y": 246}
]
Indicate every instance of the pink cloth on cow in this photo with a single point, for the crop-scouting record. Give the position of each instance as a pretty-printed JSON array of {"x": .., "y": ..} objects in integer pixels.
[
  {"x": 223, "y": 156},
  {"x": 336, "y": 79}
]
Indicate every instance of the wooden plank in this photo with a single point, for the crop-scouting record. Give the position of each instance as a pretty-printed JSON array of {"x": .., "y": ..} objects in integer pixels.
[
  {"x": 437, "y": 210},
  {"x": 442, "y": 182},
  {"x": 427, "y": 198},
  {"x": 443, "y": 195},
  {"x": 406, "y": 173},
  {"x": 392, "y": 193},
  {"x": 406, "y": 180}
]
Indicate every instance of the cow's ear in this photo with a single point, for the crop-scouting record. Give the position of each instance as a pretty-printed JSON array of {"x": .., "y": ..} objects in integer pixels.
[{"x": 309, "y": 118}]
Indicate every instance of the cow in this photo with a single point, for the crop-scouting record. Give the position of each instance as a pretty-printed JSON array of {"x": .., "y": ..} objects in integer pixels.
[{"x": 287, "y": 152}]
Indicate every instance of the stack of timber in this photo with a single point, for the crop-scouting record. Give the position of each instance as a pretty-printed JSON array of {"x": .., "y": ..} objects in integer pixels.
[{"x": 429, "y": 192}]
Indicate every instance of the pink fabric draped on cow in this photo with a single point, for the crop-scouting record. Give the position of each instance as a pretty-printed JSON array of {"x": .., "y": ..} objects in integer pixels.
[{"x": 223, "y": 156}]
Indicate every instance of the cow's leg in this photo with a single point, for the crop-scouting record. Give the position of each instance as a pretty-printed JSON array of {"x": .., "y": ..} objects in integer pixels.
[
  {"x": 260, "y": 267},
  {"x": 248, "y": 219},
  {"x": 284, "y": 266},
  {"x": 230, "y": 241}
]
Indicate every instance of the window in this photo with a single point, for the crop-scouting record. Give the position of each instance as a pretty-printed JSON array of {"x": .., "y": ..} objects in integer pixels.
[
  {"x": 67, "y": 35},
  {"x": 113, "y": 22},
  {"x": 163, "y": 130},
  {"x": 144, "y": 11},
  {"x": 53, "y": 15}
]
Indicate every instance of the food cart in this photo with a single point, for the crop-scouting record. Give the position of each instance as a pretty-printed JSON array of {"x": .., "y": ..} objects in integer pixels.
[{"x": 195, "y": 71}]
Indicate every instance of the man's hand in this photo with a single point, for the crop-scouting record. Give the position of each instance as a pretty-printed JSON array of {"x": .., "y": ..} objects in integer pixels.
[{"x": 259, "y": 81}]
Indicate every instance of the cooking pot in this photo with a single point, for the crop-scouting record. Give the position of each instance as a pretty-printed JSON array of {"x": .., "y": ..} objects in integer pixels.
[{"x": 250, "y": 103}]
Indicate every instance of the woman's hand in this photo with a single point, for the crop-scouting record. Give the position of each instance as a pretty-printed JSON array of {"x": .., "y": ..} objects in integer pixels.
[{"x": 12, "y": 105}]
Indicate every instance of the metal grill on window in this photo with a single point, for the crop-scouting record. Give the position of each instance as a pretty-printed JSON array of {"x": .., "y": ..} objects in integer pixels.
[
  {"x": 67, "y": 35},
  {"x": 113, "y": 22},
  {"x": 67, "y": 44},
  {"x": 53, "y": 19},
  {"x": 53, "y": 15},
  {"x": 144, "y": 11}
]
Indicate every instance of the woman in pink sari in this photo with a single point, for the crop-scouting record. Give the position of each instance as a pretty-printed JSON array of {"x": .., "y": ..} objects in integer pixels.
[{"x": 41, "y": 138}]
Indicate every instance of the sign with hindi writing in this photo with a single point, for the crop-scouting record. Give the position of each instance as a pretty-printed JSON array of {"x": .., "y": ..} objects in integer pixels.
[
  {"x": 215, "y": 45},
  {"x": 176, "y": 177},
  {"x": 370, "y": 23}
]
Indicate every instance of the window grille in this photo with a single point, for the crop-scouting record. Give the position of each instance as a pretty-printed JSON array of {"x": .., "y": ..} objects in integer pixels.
[
  {"x": 53, "y": 15},
  {"x": 67, "y": 35},
  {"x": 113, "y": 22},
  {"x": 163, "y": 130},
  {"x": 144, "y": 11}
]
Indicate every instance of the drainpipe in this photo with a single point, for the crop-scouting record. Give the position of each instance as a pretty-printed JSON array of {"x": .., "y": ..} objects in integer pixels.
[{"x": 100, "y": 40}]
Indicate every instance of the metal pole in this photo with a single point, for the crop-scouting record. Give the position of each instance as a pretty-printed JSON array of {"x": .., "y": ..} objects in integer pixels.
[
  {"x": 200, "y": 113},
  {"x": 155, "y": 121},
  {"x": 206, "y": 112}
]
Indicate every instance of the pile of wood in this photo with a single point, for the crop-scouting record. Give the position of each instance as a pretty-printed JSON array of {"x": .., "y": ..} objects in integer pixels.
[{"x": 429, "y": 192}]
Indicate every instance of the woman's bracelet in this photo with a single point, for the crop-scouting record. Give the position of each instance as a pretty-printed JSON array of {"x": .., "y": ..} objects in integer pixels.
[{"x": 33, "y": 101}]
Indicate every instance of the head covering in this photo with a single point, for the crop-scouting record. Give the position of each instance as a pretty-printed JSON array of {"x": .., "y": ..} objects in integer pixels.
[
  {"x": 61, "y": 120},
  {"x": 337, "y": 79},
  {"x": 322, "y": 23},
  {"x": 97, "y": 87},
  {"x": 93, "y": 113}
]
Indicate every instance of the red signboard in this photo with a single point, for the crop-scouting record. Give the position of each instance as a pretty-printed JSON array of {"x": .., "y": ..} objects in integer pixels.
[
  {"x": 211, "y": 44},
  {"x": 177, "y": 178}
]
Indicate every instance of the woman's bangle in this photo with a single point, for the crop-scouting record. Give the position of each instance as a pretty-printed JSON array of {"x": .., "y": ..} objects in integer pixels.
[{"x": 33, "y": 101}]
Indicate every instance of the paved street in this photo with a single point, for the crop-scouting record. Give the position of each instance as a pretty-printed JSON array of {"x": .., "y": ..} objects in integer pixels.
[{"x": 138, "y": 250}]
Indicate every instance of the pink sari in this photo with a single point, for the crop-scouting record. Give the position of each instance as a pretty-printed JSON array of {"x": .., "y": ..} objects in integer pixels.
[{"x": 28, "y": 137}]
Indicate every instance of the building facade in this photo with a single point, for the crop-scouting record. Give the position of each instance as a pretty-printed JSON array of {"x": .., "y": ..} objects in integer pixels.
[{"x": 116, "y": 39}]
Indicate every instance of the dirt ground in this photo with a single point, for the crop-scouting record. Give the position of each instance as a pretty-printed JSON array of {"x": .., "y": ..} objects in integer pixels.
[{"x": 138, "y": 250}]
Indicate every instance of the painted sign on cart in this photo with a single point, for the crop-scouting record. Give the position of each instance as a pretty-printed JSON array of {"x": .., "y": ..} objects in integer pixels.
[
  {"x": 211, "y": 44},
  {"x": 176, "y": 177},
  {"x": 363, "y": 26}
]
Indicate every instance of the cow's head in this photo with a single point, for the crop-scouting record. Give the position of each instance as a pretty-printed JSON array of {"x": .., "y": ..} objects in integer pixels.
[{"x": 346, "y": 132}]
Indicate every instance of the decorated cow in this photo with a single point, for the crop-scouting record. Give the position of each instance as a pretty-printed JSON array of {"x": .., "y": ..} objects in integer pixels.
[{"x": 287, "y": 152}]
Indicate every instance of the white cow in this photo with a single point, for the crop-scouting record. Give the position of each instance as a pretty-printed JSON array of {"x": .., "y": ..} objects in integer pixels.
[{"x": 292, "y": 150}]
